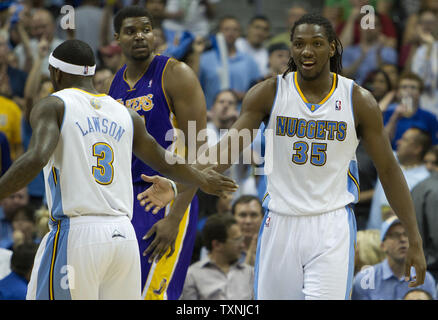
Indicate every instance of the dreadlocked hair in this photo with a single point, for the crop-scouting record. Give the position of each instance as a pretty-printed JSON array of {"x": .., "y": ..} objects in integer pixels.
[{"x": 311, "y": 18}]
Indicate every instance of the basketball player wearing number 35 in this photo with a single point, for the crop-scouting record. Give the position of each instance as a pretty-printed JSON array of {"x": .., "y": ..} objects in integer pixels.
[
  {"x": 84, "y": 141},
  {"x": 306, "y": 244}
]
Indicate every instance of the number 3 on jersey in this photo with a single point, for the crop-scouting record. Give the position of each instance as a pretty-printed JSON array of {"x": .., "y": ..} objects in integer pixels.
[
  {"x": 318, "y": 155},
  {"x": 104, "y": 171}
]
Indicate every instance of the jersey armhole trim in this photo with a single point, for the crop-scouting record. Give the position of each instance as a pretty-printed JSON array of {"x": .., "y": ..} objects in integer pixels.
[
  {"x": 65, "y": 111},
  {"x": 351, "y": 103},
  {"x": 274, "y": 102}
]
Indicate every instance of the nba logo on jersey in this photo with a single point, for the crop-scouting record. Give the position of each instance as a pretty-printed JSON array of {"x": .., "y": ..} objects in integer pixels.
[
  {"x": 85, "y": 69},
  {"x": 338, "y": 105}
]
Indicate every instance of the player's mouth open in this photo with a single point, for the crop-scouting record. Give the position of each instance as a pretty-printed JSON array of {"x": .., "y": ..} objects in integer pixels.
[{"x": 308, "y": 64}]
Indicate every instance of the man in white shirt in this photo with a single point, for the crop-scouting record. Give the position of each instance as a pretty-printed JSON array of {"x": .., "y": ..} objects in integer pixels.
[{"x": 253, "y": 44}]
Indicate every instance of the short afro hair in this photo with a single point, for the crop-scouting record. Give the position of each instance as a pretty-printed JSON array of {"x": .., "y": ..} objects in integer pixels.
[
  {"x": 129, "y": 12},
  {"x": 75, "y": 52}
]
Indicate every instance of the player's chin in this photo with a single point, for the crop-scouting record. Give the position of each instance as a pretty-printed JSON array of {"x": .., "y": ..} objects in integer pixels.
[
  {"x": 309, "y": 74},
  {"x": 140, "y": 56}
]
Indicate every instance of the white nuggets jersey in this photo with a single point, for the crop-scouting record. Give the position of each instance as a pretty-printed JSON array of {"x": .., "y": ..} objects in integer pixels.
[
  {"x": 89, "y": 172},
  {"x": 312, "y": 150}
]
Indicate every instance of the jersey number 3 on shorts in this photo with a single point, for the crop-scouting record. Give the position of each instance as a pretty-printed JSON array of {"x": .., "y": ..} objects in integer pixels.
[{"x": 104, "y": 171}]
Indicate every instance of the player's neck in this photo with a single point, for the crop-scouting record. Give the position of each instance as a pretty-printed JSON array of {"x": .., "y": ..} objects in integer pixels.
[
  {"x": 317, "y": 86},
  {"x": 136, "y": 68},
  {"x": 83, "y": 84}
]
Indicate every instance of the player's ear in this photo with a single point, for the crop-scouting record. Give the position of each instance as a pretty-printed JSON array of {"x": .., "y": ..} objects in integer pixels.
[
  {"x": 116, "y": 36},
  {"x": 332, "y": 48}
]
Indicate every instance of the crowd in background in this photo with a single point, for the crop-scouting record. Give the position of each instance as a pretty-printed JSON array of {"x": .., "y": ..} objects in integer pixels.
[{"x": 396, "y": 59}]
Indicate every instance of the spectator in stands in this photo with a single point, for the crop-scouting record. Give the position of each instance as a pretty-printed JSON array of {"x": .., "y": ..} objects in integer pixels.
[
  {"x": 43, "y": 29},
  {"x": 24, "y": 226},
  {"x": 279, "y": 55},
  {"x": 425, "y": 60},
  {"x": 12, "y": 80},
  {"x": 411, "y": 37},
  {"x": 100, "y": 77},
  {"x": 224, "y": 67},
  {"x": 296, "y": 11},
  {"x": 425, "y": 199},
  {"x": 110, "y": 57},
  {"x": 222, "y": 116},
  {"x": 352, "y": 32},
  {"x": 393, "y": 73},
  {"x": 5, "y": 154},
  {"x": 386, "y": 280},
  {"x": 10, "y": 125},
  {"x": 177, "y": 42},
  {"x": 417, "y": 294},
  {"x": 253, "y": 44},
  {"x": 8, "y": 207},
  {"x": 14, "y": 285},
  {"x": 407, "y": 112},
  {"x": 379, "y": 84},
  {"x": 193, "y": 16},
  {"x": 431, "y": 159},
  {"x": 368, "y": 180},
  {"x": 411, "y": 149},
  {"x": 248, "y": 212},
  {"x": 368, "y": 249},
  {"x": 220, "y": 276},
  {"x": 5, "y": 262},
  {"x": 88, "y": 21},
  {"x": 368, "y": 55}
]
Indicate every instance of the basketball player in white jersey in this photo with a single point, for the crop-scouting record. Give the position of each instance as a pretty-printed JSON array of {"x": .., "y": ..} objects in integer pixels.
[
  {"x": 306, "y": 242},
  {"x": 84, "y": 141}
]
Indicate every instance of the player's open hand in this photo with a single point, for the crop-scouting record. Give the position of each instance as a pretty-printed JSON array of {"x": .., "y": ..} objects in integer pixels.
[
  {"x": 156, "y": 196},
  {"x": 415, "y": 258},
  {"x": 216, "y": 183},
  {"x": 166, "y": 231}
]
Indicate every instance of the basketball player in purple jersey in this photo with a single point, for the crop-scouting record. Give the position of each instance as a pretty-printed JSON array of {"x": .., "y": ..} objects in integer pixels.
[{"x": 167, "y": 94}]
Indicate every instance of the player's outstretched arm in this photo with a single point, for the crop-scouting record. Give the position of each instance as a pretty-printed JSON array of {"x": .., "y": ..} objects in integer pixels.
[
  {"x": 45, "y": 120},
  {"x": 167, "y": 163},
  {"x": 256, "y": 106},
  {"x": 370, "y": 127}
]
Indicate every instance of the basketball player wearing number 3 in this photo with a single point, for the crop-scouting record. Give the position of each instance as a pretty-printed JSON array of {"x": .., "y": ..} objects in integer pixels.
[{"x": 84, "y": 141}]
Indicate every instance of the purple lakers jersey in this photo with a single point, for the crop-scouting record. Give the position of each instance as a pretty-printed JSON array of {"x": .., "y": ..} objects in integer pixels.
[{"x": 148, "y": 98}]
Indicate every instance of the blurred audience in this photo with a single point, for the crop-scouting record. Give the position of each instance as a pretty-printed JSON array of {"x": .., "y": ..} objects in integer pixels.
[
  {"x": 407, "y": 111},
  {"x": 14, "y": 285},
  {"x": 220, "y": 276},
  {"x": 252, "y": 44},
  {"x": 425, "y": 59},
  {"x": 386, "y": 280},
  {"x": 431, "y": 159},
  {"x": 248, "y": 212},
  {"x": 224, "y": 67},
  {"x": 369, "y": 54},
  {"x": 411, "y": 149},
  {"x": 425, "y": 198},
  {"x": 368, "y": 249}
]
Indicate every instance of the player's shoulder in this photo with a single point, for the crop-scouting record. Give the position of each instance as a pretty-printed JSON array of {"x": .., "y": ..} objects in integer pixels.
[
  {"x": 175, "y": 66},
  {"x": 362, "y": 95},
  {"x": 266, "y": 87}
]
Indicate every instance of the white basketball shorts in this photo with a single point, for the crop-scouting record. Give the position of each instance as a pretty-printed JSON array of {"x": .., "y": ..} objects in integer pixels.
[
  {"x": 87, "y": 258},
  {"x": 306, "y": 257}
]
